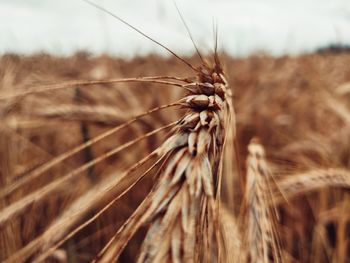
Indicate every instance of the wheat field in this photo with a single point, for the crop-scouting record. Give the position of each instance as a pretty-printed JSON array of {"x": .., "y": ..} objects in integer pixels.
[{"x": 156, "y": 160}]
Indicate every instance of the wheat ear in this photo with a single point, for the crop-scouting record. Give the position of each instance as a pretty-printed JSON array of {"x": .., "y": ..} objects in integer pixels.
[
  {"x": 262, "y": 236},
  {"x": 182, "y": 211},
  {"x": 310, "y": 181}
]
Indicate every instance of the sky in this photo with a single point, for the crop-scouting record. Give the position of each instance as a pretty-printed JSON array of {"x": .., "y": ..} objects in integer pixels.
[{"x": 245, "y": 27}]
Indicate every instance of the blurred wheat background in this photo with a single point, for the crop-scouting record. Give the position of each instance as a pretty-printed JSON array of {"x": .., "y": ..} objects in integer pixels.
[{"x": 284, "y": 193}]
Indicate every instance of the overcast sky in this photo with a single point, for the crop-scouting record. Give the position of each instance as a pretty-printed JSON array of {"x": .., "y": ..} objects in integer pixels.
[{"x": 245, "y": 26}]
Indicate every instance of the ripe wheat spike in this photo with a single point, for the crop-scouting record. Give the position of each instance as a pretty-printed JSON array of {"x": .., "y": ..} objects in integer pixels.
[
  {"x": 183, "y": 208},
  {"x": 262, "y": 238}
]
